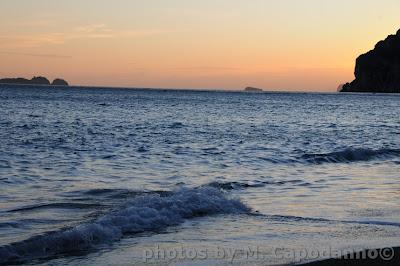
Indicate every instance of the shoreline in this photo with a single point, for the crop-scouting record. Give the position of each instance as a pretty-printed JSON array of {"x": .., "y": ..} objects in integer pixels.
[{"x": 366, "y": 257}]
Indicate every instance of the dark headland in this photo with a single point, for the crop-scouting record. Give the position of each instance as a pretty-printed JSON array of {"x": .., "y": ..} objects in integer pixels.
[
  {"x": 379, "y": 69},
  {"x": 34, "y": 81}
]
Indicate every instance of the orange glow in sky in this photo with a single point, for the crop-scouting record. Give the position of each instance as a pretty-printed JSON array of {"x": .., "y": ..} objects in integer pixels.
[{"x": 303, "y": 45}]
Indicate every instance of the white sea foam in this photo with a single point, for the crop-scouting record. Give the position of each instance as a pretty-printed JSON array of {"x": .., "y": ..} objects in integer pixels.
[{"x": 144, "y": 213}]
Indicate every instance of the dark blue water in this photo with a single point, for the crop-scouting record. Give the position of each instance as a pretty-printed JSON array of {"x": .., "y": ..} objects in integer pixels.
[{"x": 99, "y": 176}]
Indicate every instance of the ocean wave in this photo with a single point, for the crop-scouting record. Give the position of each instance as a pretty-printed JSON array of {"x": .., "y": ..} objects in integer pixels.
[
  {"x": 351, "y": 155},
  {"x": 147, "y": 213},
  {"x": 57, "y": 205},
  {"x": 236, "y": 185},
  {"x": 176, "y": 125},
  {"x": 288, "y": 218},
  {"x": 119, "y": 193}
]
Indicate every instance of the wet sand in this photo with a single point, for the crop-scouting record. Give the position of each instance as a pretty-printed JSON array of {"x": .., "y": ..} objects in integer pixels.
[{"x": 360, "y": 258}]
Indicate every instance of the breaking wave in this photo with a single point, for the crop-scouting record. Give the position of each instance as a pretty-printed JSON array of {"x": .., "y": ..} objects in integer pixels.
[
  {"x": 351, "y": 155},
  {"x": 147, "y": 213}
]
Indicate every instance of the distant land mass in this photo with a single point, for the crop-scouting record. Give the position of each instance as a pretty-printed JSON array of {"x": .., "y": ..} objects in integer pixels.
[
  {"x": 34, "y": 81},
  {"x": 379, "y": 69},
  {"x": 252, "y": 89}
]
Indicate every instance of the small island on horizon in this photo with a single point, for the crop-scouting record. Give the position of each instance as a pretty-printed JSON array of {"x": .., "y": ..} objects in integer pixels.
[
  {"x": 378, "y": 70},
  {"x": 34, "y": 81},
  {"x": 252, "y": 89}
]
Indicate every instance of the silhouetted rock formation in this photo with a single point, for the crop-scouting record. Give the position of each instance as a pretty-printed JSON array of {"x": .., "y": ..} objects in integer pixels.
[
  {"x": 340, "y": 87},
  {"x": 14, "y": 81},
  {"x": 379, "y": 69},
  {"x": 33, "y": 81},
  {"x": 39, "y": 81},
  {"x": 59, "y": 82},
  {"x": 252, "y": 89}
]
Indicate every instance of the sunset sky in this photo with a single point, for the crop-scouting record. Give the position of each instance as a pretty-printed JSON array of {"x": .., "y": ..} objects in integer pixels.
[{"x": 306, "y": 45}]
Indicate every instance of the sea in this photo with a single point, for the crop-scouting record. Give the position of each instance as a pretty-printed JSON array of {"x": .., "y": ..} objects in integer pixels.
[{"x": 113, "y": 176}]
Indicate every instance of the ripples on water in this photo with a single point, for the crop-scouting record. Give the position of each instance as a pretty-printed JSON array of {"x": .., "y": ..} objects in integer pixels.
[{"x": 85, "y": 172}]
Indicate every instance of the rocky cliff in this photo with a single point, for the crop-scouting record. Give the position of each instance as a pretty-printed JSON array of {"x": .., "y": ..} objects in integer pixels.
[{"x": 379, "y": 69}]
